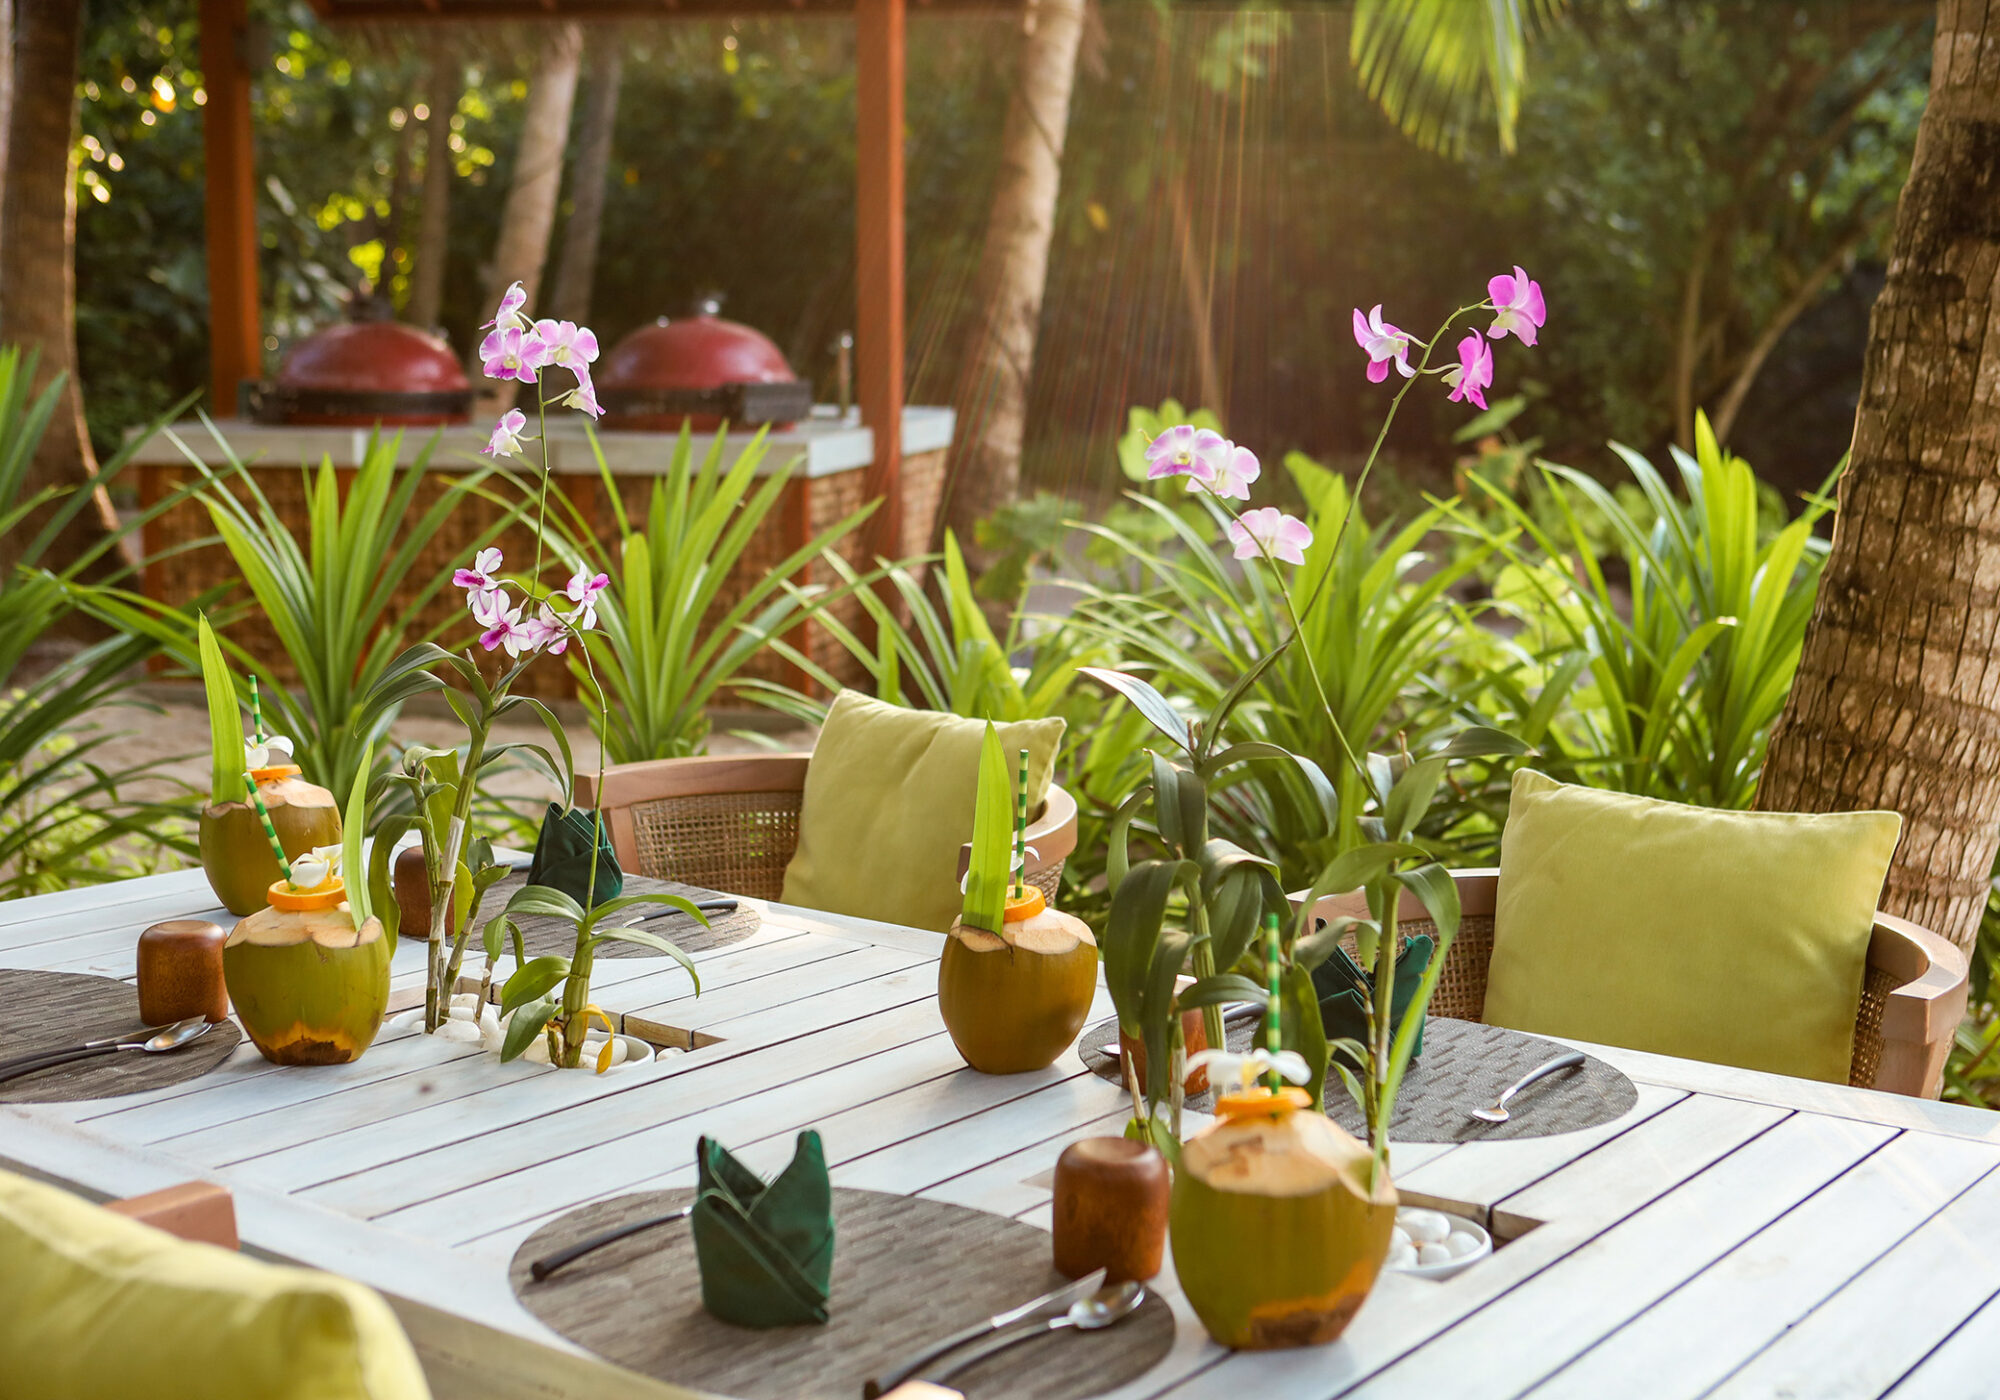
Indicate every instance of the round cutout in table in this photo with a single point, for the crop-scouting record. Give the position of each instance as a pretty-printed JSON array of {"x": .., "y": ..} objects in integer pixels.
[
  {"x": 906, "y": 1271},
  {"x": 41, "y": 1011},
  {"x": 545, "y": 936},
  {"x": 1465, "y": 1065}
]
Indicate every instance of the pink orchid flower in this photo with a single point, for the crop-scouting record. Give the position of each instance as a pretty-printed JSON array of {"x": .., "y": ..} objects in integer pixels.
[
  {"x": 567, "y": 344},
  {"x": 1384, "y": 343},
  {"x": 546, "y": 631},
  {"x": 502, "y": 623},
  {"x": 482, "y": 578},
  {"x": 1187, "y": 451},
  {"x": 1518, "y": 302},
  {"x": 506, "y": 439},
  {"x": 511, "y": 354},
  {"x": 583, "y": 590},
  {"x": 509, "y": 317},
  {"x": 583, "y": 397},
  {"x": 1270, "y": 531},
  {"x": 1472, "y": 376},
  {"x": 1233, "y": 477}
]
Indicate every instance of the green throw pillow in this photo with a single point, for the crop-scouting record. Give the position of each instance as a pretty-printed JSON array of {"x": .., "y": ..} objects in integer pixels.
[
  {"x": 1740, "y": 938},
  {"x": 97, "y": 1307},
  {"x": 888, "y": 802}
]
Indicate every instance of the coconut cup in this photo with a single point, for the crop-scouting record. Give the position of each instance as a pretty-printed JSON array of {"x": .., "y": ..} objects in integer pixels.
[
  {"x": 1277, "y": 1234},
  {"x": 236, "y": 855},
  {"x": 1015, "y": 1001},
  {"x": 309, "y": 987}
]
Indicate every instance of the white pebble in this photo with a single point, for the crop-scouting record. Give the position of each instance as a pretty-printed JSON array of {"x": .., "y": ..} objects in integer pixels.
[
  {"x": 1424, "y": 1226},
  {"x": 1428, "y": 1254},
  {"x": 463, "y": 1031},
  {"x": 1402, "y": 1256},
  {"x": 1460, "y": 1243},
  {"x": 1399, "y": 1238}
]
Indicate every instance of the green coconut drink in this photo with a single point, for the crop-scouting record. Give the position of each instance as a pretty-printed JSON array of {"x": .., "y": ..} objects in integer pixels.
[
  {"x": 308, "y": 984},
  {"x": 1017, "y": 999},
  {"x": 309, "y": 975},
  {"x": 240, "y": 861},
  {"x": 1016, "y": 978},
  {"x": 235, "y": 855},
  {"x": 1278, "y": 1232}
]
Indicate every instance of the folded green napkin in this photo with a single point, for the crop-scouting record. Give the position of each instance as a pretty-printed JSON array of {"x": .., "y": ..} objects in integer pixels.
[
  {"x": 766, "y": 1252},
  {"x": 1340, "y": 982},
  {"x": 562, "y": 857}
]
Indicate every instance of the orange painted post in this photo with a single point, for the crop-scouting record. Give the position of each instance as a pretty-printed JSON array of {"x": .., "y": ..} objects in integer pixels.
[
  {"x": 878, "y": 322},
  {"x": 236, "y": 350}
]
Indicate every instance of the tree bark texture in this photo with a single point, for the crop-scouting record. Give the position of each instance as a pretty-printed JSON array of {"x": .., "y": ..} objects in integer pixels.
[
  {"x": 441, "y": 92},
  {"x": 1897, "y": 700},
  {"x": 1013, "y": 270},
  {"x": 530, "y": 212},
  {"x": 37, "y": 258},
  {"x": 589, "y": 178}
]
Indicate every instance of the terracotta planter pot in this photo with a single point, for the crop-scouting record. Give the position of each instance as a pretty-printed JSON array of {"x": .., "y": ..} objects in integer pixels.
[{"x": 1278, "y": 1236}]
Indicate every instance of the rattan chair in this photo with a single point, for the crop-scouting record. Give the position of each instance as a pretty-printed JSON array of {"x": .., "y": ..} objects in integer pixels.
[
  {"x": 732, "y": 822},
  {"x": 1912, "y": 997}
]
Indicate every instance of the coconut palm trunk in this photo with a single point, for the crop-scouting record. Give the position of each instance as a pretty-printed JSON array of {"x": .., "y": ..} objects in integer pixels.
[
  {"x": 589, "y": 178},
  {"x": 441, "y": 92},
  {"x": 37, "y": 257},
  {"x": 993, "y": 397},
  {"x": 1897, "y": 700},
  {"x": 530, "y": 212}
]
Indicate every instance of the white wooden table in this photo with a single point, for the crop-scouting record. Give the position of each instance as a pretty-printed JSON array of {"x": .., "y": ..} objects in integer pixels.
[{"x": 1736, "y": 1235}]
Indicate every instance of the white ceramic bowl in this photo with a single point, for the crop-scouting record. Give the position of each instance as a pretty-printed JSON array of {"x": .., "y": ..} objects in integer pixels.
[{"x": 1448, "y": 1267}]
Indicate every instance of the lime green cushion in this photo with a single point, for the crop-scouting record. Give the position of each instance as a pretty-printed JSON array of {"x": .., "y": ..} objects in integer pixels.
[
  {"x": 97, "y": 1307},
  {"x": 1740, "y": 938},
  {"x": 888, "y": 803}
]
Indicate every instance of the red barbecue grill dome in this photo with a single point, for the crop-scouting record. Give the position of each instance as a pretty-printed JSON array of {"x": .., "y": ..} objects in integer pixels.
[
  {"x": 370, "y": 372},
  {"x": 701, "y": 369}
]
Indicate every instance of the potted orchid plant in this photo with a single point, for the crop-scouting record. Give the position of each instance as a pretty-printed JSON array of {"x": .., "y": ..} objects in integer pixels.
[
  {"x": 523, "y": 619},
  {"x": 1269, "y": 1263}
]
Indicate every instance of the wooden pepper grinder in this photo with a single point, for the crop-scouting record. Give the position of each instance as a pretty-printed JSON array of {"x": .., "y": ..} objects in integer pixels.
[
  {"x": 1111, "y": 1208},
  {"x": 180, "y": 972}
]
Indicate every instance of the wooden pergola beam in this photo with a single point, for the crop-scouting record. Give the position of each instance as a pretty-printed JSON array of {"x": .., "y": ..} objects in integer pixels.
[
  {"x": 236, "y": 335},
  {"x": 878, "y": 245}
]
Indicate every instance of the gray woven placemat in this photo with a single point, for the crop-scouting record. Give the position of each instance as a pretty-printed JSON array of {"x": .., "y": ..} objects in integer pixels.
[
  {"x": 1465, "y": 1065},
  {"x": 60, "y": 1010},
  {"x": 545, "y": 936},
  {"x": 906, "y": 1271}
]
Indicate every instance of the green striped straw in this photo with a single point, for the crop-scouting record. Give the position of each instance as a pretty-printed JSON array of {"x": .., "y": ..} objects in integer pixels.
[
  {"x": 1273, "y": 1032},
  {"x": 270, "y": 832},
  {"x": 1021, "y": 830},
  {"x": 256, "y": 714}
]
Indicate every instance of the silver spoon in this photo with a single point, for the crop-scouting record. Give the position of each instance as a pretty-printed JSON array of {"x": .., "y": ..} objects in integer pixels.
[
  {"x": 1498, "y": 1113},
  {"x": 1107, "y": 1307},
  {"x": 171, "y": 1038}
]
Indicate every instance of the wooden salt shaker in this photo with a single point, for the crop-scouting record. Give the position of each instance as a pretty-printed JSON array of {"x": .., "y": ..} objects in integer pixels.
[
  {"x": 1111, "y": 1209},
  {"x": 180, "y": 972}
]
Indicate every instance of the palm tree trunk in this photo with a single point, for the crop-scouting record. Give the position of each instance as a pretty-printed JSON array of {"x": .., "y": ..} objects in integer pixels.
[
  {"x": 530, "y": 212},
  {"x": 37, "y": 257},
  {"x": 577, "y": 269},
  {"x": 441, "y": 92},
  {"x": 1013, "y": 272},
  {"x": 1897, "y": 701}
]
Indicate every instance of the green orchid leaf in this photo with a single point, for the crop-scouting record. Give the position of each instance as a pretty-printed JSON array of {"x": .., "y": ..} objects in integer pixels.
[
  {"x": 546, "y": 901},
  {"x": 1352, "y": 869},
  {"x": 526, "y": 1025},
  {"x": 1222, "y": 989},
  {"x": 353, "y": 871},
  {"x": 532, "y": 981},
  {"x": 1159, "y": 712}
]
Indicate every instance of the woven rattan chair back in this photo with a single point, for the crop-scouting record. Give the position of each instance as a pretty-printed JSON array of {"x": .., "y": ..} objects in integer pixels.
[{"x": 1912, "y": 995}]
